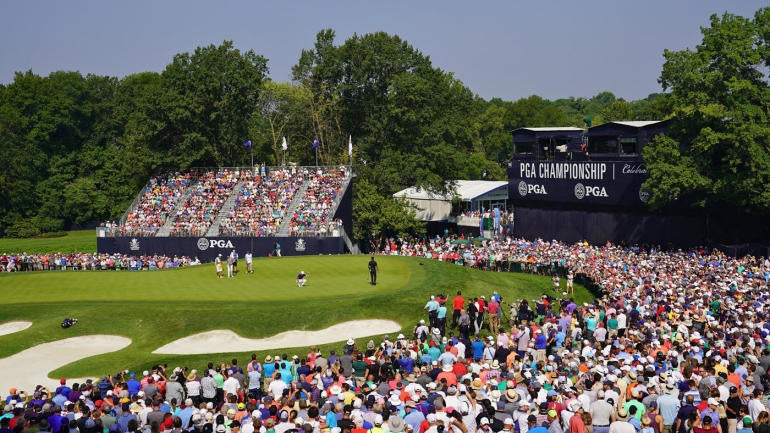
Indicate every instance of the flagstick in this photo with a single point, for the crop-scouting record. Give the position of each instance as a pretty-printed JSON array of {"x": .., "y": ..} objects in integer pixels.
[
  {"x": 350, "y": 150},
  {"x": 316, "y": 156}
]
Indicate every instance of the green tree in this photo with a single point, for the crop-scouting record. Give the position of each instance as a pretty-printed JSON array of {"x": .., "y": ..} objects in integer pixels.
[
  {"x": 49, "y": 136},
  {"x": 720, "y": 99},
  {"x": 411, "y": 122},
  {"x": 285, "y": 110},
  {"x": 673, "y": 177},
  {"x": 209, "y": 97},
  {"x": 380, "y": 215},
  {"x": 617, "y": 110},
  {"x": 495, "y": 135}
]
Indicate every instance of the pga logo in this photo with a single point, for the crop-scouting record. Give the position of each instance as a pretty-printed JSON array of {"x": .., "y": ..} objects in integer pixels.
[
  {"x": 531, "y": 188},
  {"x": 644, "y": 195},
  {"x": 204, "y": 244},
  {"x": 582, "y": 191}
]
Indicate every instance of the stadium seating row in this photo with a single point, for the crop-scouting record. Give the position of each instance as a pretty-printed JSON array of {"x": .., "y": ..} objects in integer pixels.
[
  {"x": 262, "y": 203},
  {"x": 154, "y": 205},
  {"x": 188, "y": 204}
]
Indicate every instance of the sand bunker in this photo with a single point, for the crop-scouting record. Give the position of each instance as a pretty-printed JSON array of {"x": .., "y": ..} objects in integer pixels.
[
  {"x": 228, "y": 341},
  {"x": 11, "y": 327},
  {"x": 30, "y": 367}
]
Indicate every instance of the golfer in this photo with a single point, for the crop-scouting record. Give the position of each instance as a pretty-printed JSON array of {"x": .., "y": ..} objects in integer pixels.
[
  {"x": 249, "y": 263},
  {"x": 301, "y": 278},
  {"x": 373, "y": 268}
]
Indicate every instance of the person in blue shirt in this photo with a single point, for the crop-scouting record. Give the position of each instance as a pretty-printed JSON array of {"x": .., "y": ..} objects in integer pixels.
[
  {"x": 478, "y": 348},
  {"x": 63, "y": 389},
  {"x": 559, "y": 339},
  {"x": 632, "y": 419},
  {"x": 590, "y": 321},
  {"x": 533, "y": 427},
  {"x": 406, "y": 362},
  {"x": 441, "y": 318},
  {"x": 133, "y": 385},
  {"x": 268, "y": 368}
]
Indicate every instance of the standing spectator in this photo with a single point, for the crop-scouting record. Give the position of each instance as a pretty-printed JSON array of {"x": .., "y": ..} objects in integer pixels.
[
  {"x": 373, "y": 268},
  {"x": 457, "y": 308}
]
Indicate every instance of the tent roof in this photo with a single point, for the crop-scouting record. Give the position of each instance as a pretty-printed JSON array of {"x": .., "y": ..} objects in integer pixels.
[
  {"x": 551, "y": 129},
  {"x": 637, "y": 123},
  {"x": 465, "y": 189}
]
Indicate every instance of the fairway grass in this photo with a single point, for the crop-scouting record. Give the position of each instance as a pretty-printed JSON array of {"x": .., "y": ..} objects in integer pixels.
[
  {"x": 76, "y": 241},
  {"x": 155, "y": 308}
]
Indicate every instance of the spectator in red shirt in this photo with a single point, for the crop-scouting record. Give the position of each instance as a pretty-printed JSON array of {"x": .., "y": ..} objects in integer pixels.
[{"x": 457, "y": 307}]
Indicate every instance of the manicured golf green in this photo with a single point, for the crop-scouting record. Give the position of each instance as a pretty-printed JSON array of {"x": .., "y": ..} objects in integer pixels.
[{"x": 154, "y": 308}]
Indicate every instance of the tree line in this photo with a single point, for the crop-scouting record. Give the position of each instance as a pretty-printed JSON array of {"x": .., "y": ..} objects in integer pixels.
[{"x": 78, "y": 148}]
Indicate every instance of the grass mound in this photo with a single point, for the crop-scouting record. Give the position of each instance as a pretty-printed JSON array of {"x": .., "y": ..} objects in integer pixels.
[{"x": 77, "y": 241}]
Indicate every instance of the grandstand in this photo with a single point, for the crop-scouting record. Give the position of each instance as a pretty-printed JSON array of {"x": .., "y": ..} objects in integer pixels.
[
  {"x": 154, "y": 204},
  {"x": 262, "y": 205}
]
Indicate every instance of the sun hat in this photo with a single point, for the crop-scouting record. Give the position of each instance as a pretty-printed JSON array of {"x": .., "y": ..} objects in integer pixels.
[{"x": 511, "y": 395}]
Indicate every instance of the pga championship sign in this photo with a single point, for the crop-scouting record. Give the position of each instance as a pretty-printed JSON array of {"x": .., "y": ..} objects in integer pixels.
[
  {"x": 206, "y": 248},
  {"x": 613, "y": 183}
]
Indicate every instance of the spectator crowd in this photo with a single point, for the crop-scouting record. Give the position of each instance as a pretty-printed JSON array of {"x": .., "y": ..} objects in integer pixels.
[
  {"x": 311, "y": 218},
  {"x": 90, "y": 262},
  {"x": 189, "y": 203},
  {"x": 262, "y": 203},
  {"x": 204, "y": 202},
  {"x": 678, "y": 342},
  {"x": 154, "y": 206}
]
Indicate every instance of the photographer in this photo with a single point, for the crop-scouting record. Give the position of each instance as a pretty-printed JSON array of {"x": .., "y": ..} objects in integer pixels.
[{"x": 524, "y": 313}]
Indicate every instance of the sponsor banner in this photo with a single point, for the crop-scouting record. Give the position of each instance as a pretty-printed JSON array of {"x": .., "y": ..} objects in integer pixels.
[
  {"x": 608, "y": 183},
  {"x": 206, "y": 248}
]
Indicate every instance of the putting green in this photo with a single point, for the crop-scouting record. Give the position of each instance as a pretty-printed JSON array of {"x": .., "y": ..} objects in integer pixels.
[
  {"x": 155, "y": 308},
  {"x": 273, "y": 279}
]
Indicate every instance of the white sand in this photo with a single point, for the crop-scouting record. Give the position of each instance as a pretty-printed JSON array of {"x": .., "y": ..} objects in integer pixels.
[
  {"x": 30, "y": 367},
  {"x": 228, "y": 341},
  {"x": 11, "y": 327}
]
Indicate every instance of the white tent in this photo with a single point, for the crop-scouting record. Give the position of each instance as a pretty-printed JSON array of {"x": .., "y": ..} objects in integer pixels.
[{"x": 476, "y": 194}]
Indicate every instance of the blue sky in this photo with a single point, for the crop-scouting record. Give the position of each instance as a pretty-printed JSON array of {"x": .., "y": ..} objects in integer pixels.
[{"x": 507, "y": 49}]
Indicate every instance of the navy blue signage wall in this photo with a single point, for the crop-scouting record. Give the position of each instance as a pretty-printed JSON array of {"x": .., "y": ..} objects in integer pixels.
[
  {"x": 206, "y": 248},
  {"x": 613, "y": 183},
  {"x": 571, "y": 225}
]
